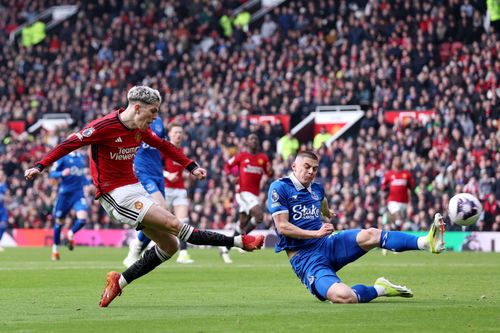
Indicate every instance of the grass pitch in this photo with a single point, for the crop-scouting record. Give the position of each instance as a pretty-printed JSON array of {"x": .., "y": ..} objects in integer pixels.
[{"x": 454, "y": 292}]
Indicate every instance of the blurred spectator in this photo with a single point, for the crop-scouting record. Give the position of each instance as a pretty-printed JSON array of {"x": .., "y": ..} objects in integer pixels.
[{"x": 404, "y": 56}]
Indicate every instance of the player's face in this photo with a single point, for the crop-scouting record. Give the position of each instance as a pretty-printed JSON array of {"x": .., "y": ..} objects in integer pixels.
[
  {"x": 175, "y": 135},
  {"x": 146, "y": 114},
  {"x": 305, "y": 169},
  {"x": 253, "y": 142}
]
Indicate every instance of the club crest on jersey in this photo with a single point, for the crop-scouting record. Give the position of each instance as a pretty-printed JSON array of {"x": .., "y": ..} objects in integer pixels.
[
  {"x": 275, "y": 196},
  {"x": 88, "y": 132},
  {"x": 138, "y": 205},
  {"x": 260, "y": 161},
  {"x": 138, "y": 137},
  {"x": 314, "y": 196}
]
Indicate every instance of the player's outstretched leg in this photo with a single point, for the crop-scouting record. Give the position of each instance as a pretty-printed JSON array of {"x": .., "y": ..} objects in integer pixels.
[
  {"x": 115, "y": 282},
  {"x": 386, "y": 288},
  {"x": 203, "y": 237},
  {"x": 399, "y": 241}
]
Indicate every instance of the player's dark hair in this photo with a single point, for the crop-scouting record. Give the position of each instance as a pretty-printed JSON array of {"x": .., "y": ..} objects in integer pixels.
[{"x": 310, "y": 154}]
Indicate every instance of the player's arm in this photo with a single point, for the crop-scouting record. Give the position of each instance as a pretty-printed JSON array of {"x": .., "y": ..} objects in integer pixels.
[
  {"x": 74, "y": 141},
  {"x": 57, "y": 170},
  {"x": 287, "y": 229},
  {"x": 325, "y": 209},
  {"x": 269, "y": 168},
  {"x": 169, "y": 151}
]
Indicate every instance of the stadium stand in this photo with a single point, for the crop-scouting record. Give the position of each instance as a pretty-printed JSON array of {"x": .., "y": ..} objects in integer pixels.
[{"x": 390, "y": 55}]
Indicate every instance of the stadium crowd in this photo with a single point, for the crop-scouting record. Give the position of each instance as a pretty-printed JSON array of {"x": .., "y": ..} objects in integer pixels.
[{"x": 390, "y": 55}]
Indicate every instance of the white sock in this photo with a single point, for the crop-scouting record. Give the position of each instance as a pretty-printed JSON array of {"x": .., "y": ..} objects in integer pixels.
[
  {"x": 238, "y": 241},
  {"x": 122, "y": 282},
  {"x": 380, "y": 290},
  {"x": 54, "y": 248},
  {"x": 183, "y": 253},
  {"x": 70, "y": 235},
  {"x": 423, "y": 243}
]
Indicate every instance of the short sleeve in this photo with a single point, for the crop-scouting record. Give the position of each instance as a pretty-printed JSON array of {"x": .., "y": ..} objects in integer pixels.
[{"x": 277, "y": 199}]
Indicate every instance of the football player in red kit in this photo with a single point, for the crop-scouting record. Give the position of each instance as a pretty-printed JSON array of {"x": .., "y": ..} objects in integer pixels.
[
  {"x": 251, "y": 166},
  {"x": 399, "y": 183},
  {"x": 114, "y": 140}
]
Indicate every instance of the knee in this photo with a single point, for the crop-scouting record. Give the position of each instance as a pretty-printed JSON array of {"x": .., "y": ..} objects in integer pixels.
[
  {"x": 346, "y": 296},
  {"x": 341, "y": 293},
  {"x": 369, "y": 237}
]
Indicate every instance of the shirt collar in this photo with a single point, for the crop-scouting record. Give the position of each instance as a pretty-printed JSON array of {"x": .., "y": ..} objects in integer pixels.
[{"x": 298, "y": 185}]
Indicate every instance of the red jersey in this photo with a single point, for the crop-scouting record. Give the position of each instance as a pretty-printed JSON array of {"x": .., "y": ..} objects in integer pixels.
[
  {"x": 112, "y": 150},
  {"x": 173, "y": 166},
  {"x": 399, "y": 182},
  {"x": 251, "y": 168}
]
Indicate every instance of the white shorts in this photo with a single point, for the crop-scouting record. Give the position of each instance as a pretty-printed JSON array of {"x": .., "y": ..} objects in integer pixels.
[
  {"x": 127, "y": 204},
  {"x": 246, "y": 201},
  {"x": 394, "y": 207},
  {"x": 176, "y": 197}
]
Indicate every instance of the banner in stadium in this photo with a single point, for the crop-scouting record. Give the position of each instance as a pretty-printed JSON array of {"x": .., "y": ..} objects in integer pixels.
[
  {"x": 43, "y": 237},
  {"x": 456, "y": 241},
  {"x": 272, "y": 119},
  {"x": 422, "y": 116}
]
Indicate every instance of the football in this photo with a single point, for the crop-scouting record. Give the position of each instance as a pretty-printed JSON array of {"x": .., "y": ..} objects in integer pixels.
[{"x": 464, "y": 209}]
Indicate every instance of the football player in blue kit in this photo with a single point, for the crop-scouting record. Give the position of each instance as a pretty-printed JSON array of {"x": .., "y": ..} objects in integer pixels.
[
  {"x": 148, "y": 167},
  {"x": 317, "y": 254},
  {"x": 4, "y": 214},
  {"x": 70, "y": 169}
]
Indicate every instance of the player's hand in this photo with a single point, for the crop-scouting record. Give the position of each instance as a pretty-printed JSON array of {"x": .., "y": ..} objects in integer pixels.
[
  {"x": 66, "y": 172},
  {"x": 325, "y": 230},
  {"x": 171, "y": 176},
  {"x": 329, "y": 213},
  {"x": 31, "y": 173},
  {"x": 200, "y": 173}
]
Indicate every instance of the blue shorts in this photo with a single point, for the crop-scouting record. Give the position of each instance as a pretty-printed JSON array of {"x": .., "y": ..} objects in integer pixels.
[
  {"x": 317, "y": 266},
  {"x": 153, "y": 184},
  {"x": 67, "y": 201}
]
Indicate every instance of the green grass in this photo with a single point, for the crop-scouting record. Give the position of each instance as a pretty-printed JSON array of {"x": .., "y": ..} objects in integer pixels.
[{"x": 454, "y": 292}]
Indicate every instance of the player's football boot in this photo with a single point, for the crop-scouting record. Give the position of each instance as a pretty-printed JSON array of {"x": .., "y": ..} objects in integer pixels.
[
  {"x": 436, "y": 235},
  {"x": 393, "y": 290},
  {"x": 185, "y": 258},
  {"x": 55, "y": 256},
  {"x": 134, "y": 253},
  {"x": 111, "y": 290},
  {"x": 251, "y": 243},
  {"x": 224, "y": 254},
  {"x": 71, "y": 244}
]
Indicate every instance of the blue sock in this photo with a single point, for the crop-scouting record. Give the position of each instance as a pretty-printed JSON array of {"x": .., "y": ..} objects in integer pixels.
[
  {"x": 364, "y": 293},
  {"x": 398, "y": 241},
  {"x": 57, "y": 233},
  {"x": 2, "y": 230},
  {"x": 144, "y": 239},
  {"x": 79, "y": 223}
]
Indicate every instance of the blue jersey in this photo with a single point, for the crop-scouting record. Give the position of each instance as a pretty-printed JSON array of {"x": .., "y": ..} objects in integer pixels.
[
  {"x": 303, "y": 206},
  {"x": 4, "y": 216},
  {"x": 76, "y": 180},
  {"x": 3, "y": 191},
  {"x": 148, "y": 162}
]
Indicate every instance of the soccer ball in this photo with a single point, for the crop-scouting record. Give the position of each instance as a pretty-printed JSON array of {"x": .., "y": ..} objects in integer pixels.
[{"x": 464, "y": 209}]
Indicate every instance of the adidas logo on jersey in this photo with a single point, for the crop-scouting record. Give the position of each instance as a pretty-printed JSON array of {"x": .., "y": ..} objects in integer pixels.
[{"x": 119, "y": 139}]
